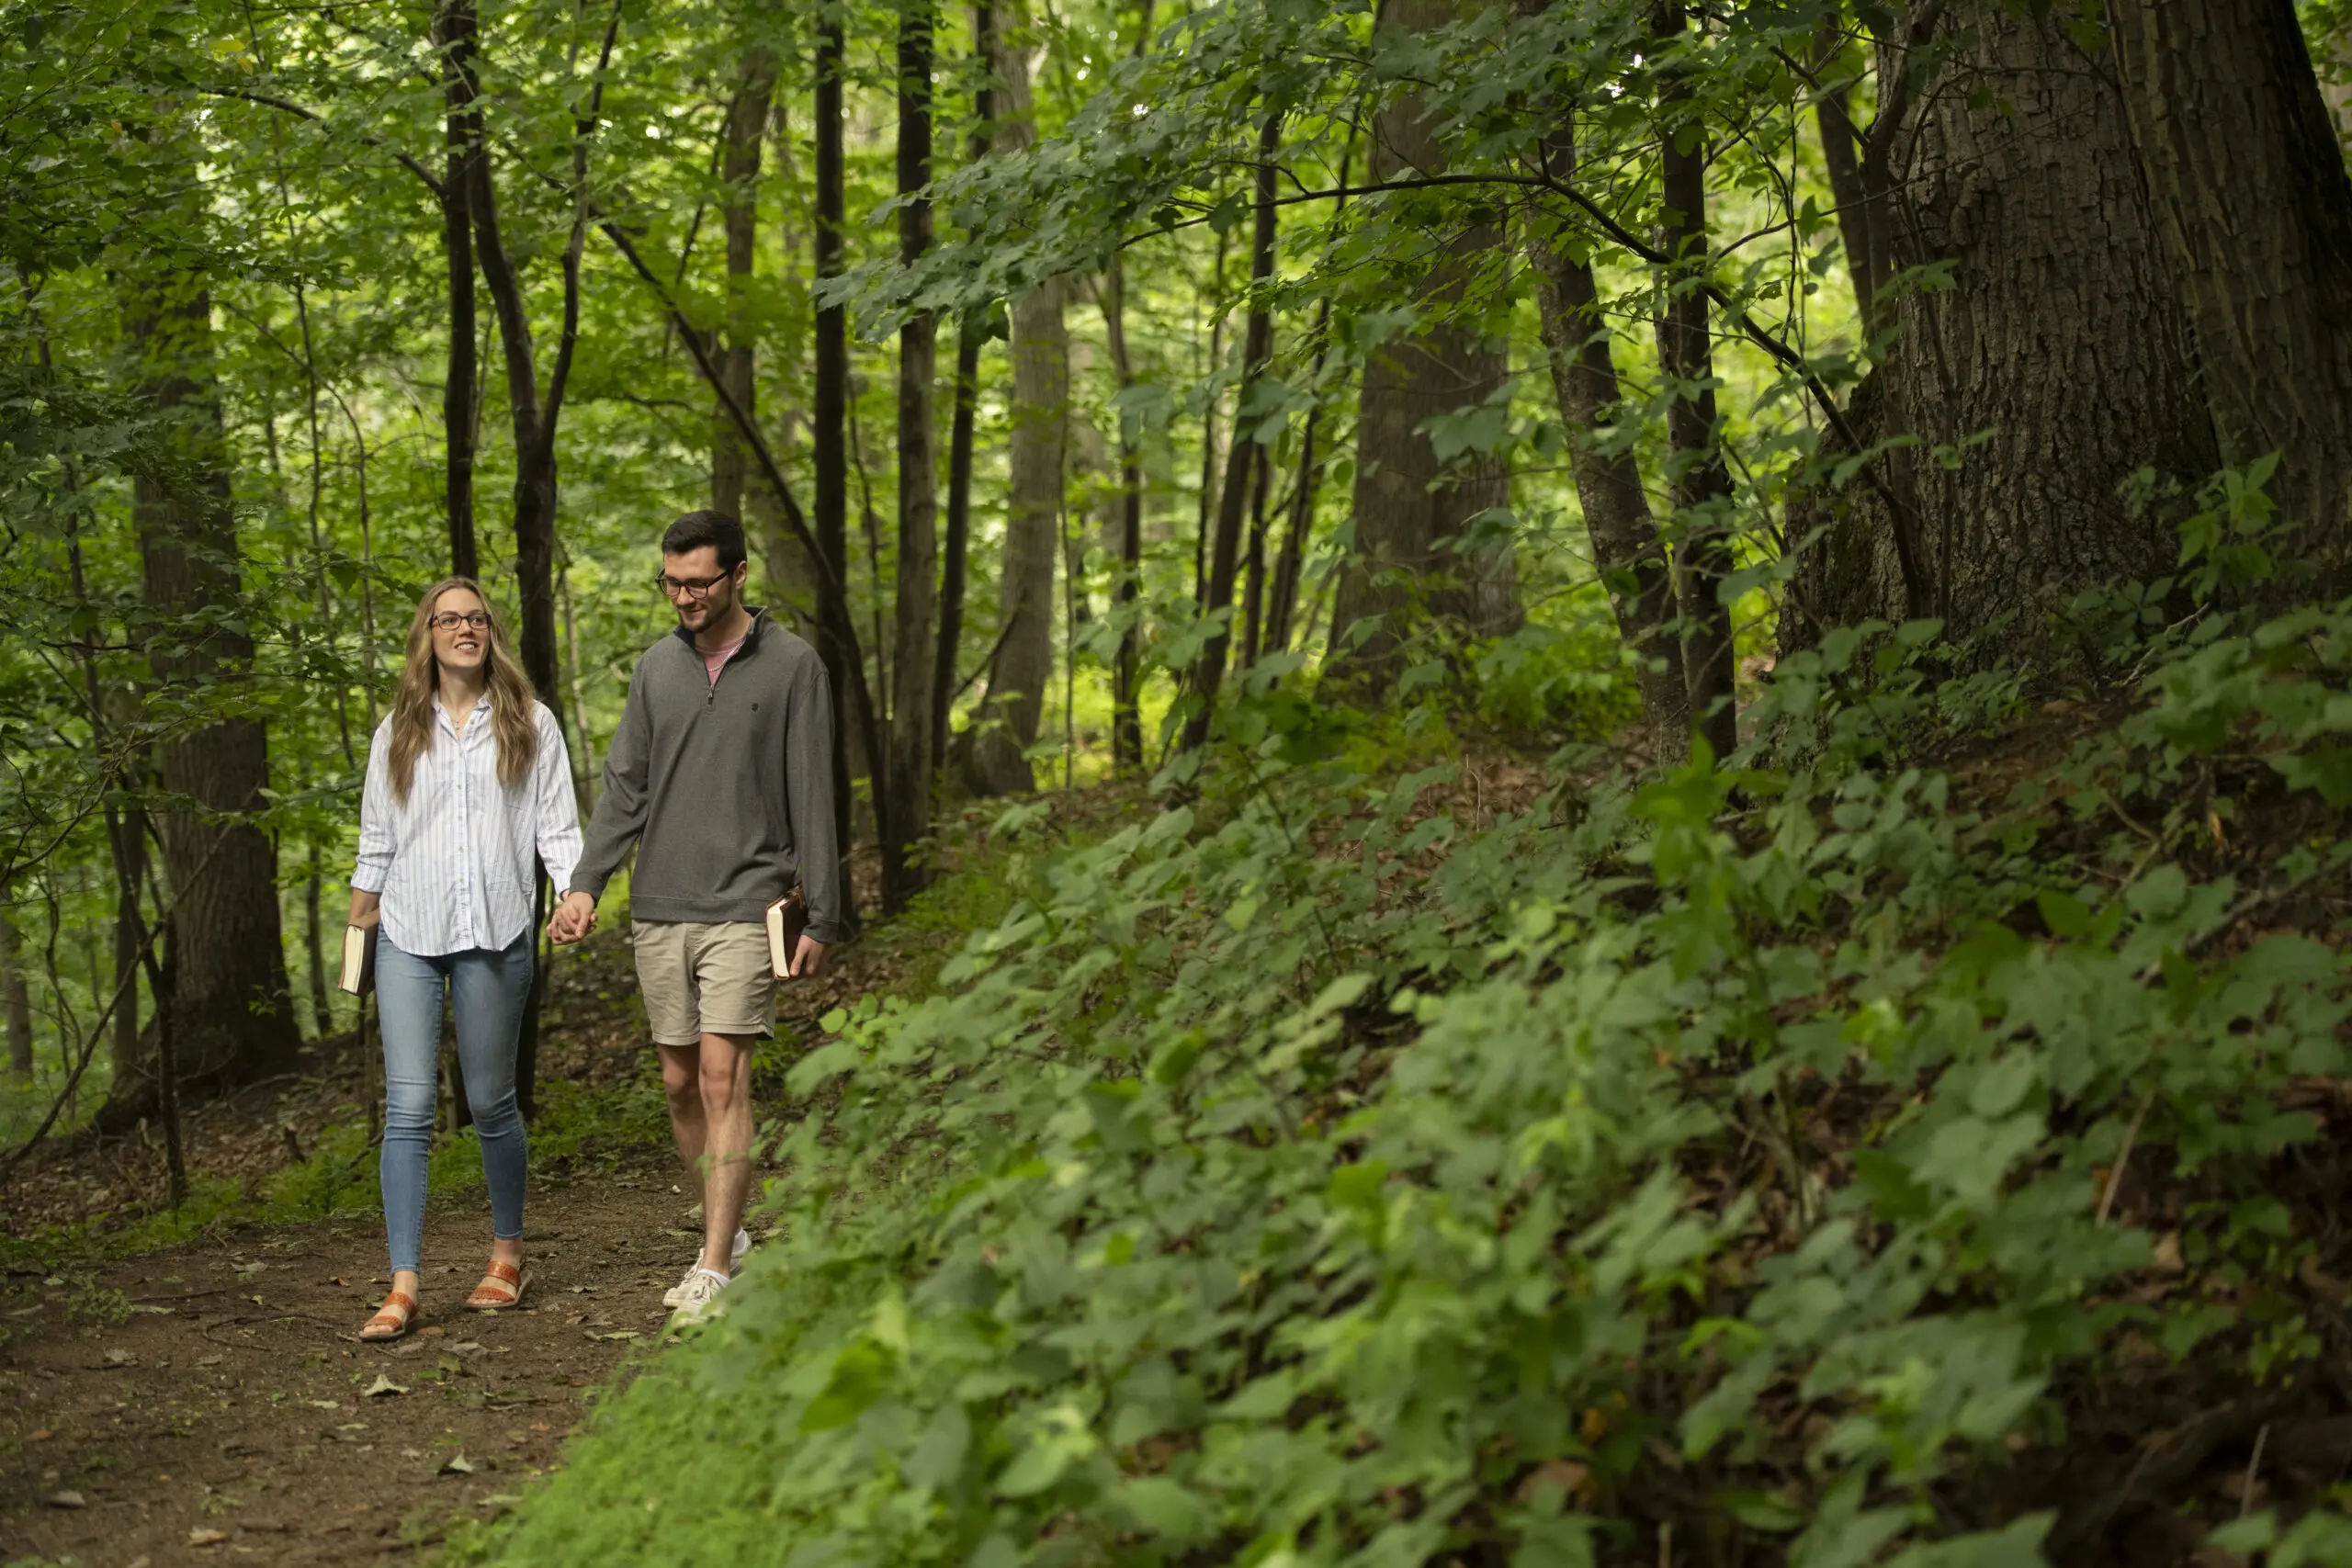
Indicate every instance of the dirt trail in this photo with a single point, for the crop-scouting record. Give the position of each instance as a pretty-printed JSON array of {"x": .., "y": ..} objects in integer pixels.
[
  {"x": 208, "y": 1403},
  {"x": 224, "y": 1415}
]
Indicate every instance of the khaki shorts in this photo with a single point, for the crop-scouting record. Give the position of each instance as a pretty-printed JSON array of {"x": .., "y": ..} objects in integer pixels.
[{"x": 701, "y": 978}]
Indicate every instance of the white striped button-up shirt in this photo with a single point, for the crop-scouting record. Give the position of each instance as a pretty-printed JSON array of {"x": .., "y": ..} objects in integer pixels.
[{"x": 453, "y": 860}]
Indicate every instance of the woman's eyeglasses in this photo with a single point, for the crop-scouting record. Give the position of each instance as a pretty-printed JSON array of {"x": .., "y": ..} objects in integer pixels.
[{"x": 449, "y": 620}]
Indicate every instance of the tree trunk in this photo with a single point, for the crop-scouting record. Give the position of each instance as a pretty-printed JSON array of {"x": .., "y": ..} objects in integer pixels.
[
  {"x": 535, "y": 419},
  {"x": 19, "y": 998},
  {"x": 1253, "y": 588},
  {"x": 744, "y": 136},
  {"x": 968, "y": 338},
  {"x": 1861, "y": 203},
  {"x": 1126, "y": 696},
  {"x": 233, "y": 1016},
  {"x": 453, "y": 33},
  {"x": 2247, "y": 183},
  {"x": 315, "y": 949},
  {"x": 1695, "y": 466},
  {"x": 830, "y": 433},
  {"x": 1241, "y": 462},
  {"x": 127, "y": 836},
  {"x": 1025, "y": 659},
  {"x": 1284, "y": 605},
  {"x": 1411, "y": 511},
  {"x": 2059, "y": 341},
  {"x": 1627, "y": 550},
  {"x": 915, "y": 651}
]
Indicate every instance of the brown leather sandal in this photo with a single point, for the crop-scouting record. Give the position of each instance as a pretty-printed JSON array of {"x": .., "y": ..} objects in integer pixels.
[
  {"x": 502, "y": 1286},
  {"x": 392, "y": 1320}
]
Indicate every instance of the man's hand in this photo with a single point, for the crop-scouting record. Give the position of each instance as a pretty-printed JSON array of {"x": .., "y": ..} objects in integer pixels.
[
  {"x": 574, "y": 916},
  {"x": 808, "y": 958}
]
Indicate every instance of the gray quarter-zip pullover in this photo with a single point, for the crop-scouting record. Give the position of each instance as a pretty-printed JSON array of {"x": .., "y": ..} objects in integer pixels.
[{"x": 727, "y": 786}]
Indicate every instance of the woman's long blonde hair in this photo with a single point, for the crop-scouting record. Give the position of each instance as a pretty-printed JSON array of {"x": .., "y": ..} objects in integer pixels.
[{"x": 512, "y": 717}]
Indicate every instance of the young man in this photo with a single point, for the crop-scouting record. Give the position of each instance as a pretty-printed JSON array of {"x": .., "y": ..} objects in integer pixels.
[{"x": 722, "y": 774}]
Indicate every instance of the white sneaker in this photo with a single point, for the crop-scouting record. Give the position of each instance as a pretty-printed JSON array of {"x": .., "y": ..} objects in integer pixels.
[
  {"x": 677, "y": 1294},
  {"x": 698, "y": 1297}
]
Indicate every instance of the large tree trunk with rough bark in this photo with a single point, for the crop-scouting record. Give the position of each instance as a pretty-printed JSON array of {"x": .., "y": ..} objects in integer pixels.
[
  {"x": 233, "y": 1016},
  {"x": 1024, "y": 657},
  {"x": 2247, "y": 184},
  {"x": 1413, "y": 514},
  {"x": 2056, "y": 363}
]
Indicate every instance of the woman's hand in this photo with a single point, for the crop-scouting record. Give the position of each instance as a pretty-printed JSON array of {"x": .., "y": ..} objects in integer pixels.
[
  {"x": 365, "y": 908},
  {"x": 574, "y": 918}
]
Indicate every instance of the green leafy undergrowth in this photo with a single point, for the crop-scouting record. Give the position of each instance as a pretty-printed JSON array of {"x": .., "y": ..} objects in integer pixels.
[{"x": 1779, "y": 1161}]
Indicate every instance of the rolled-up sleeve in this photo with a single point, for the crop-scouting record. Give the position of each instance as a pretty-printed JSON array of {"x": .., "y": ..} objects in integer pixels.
[
  {"x": 375, "y": 864},
  {"x": 557, "y": 827}
]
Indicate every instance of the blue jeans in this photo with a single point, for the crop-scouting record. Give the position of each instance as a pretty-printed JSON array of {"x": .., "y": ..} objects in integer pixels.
[{"x": 488, "y": 991}]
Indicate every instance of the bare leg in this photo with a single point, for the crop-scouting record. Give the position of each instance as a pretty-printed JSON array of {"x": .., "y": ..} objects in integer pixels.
[
  {"x": 726, "y": 1095},
  {"x": 681, "y": 1085}
]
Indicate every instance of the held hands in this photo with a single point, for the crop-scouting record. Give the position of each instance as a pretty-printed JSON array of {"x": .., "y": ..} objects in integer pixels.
[
  {"x": 808, "y": 958},
  {"x": 574, "y": 917}
]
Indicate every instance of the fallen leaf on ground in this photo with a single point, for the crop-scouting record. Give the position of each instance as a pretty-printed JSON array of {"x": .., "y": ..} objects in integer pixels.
[
  {"x": 323, "y": 1403},
  {"x": 122, "y": 1358},
  {"x": 456, "y": 1464},
  {"x": 38, "y": 1435},
  {"x": 383, "y": 1384},
  {"x": 65, "y": 1500},
  {"x": 202, "y": 1536}
]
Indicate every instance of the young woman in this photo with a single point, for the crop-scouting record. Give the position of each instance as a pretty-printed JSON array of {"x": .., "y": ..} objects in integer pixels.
[{"x": 465, "y": 778}]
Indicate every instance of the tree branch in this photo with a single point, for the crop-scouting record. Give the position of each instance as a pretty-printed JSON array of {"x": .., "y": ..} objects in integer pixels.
[{"x": 285, "y": 106}]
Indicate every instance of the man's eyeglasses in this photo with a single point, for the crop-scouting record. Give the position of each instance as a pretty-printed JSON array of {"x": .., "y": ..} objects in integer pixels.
[
  {"x": 449, "y": 620},
  {"x": 689, "y": 587}
]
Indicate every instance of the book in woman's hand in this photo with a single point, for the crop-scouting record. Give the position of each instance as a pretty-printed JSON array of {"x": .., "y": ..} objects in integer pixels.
[{"x": 359, "y": 976}]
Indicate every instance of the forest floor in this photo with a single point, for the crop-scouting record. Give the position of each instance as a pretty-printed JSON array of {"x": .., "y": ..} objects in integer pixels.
[{"x": 208, "y": 1400}]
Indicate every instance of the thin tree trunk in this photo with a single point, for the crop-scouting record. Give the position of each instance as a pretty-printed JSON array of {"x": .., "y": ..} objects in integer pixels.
[
  {"x": 917, "y": 641},
  {"x": 1696, "y": 469},
  {"x": 836, "y": 635},
  {"x": 314, "y": 945},
  {"x": 1209, "y": 453},
  {"x": 1283, "y": 607},
  {"x": 1862, "y": 208},
  {"x": 1025, "y": 659},
  {"x": 744, "y": 136},
  {"x": 1126, "y": 696},
  {"x": 1208, "y": 670},
  {"x": 453, "y": 30},
  {"x": 1253, "y": 587},
  {"x": 957, "y": 545},
  {"x": 584, "y": 754},
  {"x": 1627, "y": 550},
  {"x": 535, "y": 421},
  {"x": 19, "y": 998}
]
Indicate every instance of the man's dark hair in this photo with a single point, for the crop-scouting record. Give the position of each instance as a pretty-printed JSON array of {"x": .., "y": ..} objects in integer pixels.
[{"x": 696, "y": 529}]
